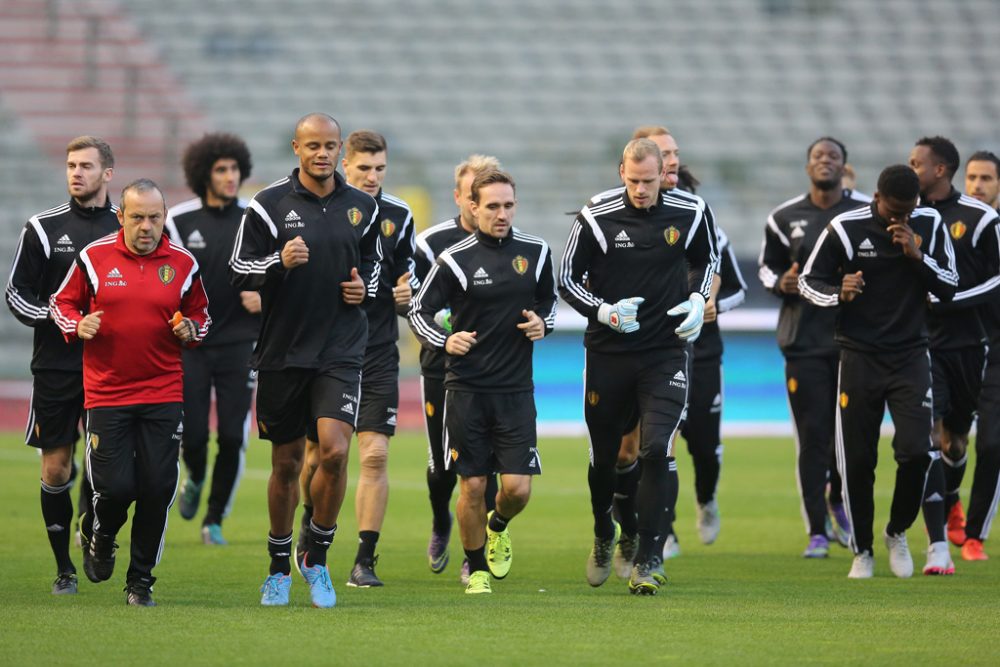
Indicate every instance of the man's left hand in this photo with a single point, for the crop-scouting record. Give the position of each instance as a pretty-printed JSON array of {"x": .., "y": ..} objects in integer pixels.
[
  {"x": 691, "y": 326},
  {"x": 185, "y": 330},
  {"x": 353, "y": 290},
  {"x": 534, "y": 328}
]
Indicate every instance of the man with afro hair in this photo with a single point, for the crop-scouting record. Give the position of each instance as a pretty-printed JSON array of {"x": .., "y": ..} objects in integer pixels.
[{"x": 215, "y": 166}]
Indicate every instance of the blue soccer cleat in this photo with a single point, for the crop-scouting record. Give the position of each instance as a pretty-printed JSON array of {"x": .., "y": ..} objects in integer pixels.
[
  {"x": 275, "y": 590},
  {"x": 320, "y": 586}
]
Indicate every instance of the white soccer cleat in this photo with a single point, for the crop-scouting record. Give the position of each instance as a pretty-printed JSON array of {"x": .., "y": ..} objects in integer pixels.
[
  {"x": 709, "y": 522},
  {"x": 939, "y": 560},
  {"x": 863, "y": 567},
  {"x": 671, "y": 548},
  {"x": 900, "y": 561}
]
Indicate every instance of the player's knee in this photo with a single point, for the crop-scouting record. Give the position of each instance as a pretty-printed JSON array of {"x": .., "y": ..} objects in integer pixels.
[
  {"x": 957, "y": 446},
  {"x": 374, "y": 451},
  {"x": 56, "y": 470},
  {"x": 474, "y": 487},
  {"x": 333, "y": 456}
]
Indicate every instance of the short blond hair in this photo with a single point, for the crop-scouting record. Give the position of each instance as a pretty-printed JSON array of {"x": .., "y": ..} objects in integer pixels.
[
  {"x": 477, "y": 164},
  {"x": 638, "y": 150},
  {"x": 646, "y": 131}
]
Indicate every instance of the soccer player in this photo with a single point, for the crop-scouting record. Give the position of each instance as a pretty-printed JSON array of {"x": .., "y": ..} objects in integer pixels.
[
  {"x": 982, "y": 181},
  {"x": 215, "y": 166},
  {"x": 498, "y": 283},
  {"x": 134, "y": 298},
  {"x": 301, "y": 238},
  {"x": 45, "y": 252},
  {"x": 701, "y": 429},
  {"x": 805, "y": 336},
  {"x": 957, "y": 337},
  {"x": 441, "y": 478},
  {"x": 365, "y": 162},
  {"x": 626, "y": 268},
  {"x": 878, "y": 263}
]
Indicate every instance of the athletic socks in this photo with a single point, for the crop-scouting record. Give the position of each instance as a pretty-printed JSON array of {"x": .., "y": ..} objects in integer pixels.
[
  {"x": 492, "y": 486},
  {"x": 601, "y": 480},
  {"x": 498, "y": 522},
  {"x": 954, "y": 473},
  {"x": 933, "y": 502},
  {"x": 320, "y": 538},
  {"x": 440, "y": 485},
  {"x": 626, "y": 486},
  {"x": 280, "y": 550},
  {"x": 367, "y": 540},
  {"x": 57, "y": 512},
  {"x": 477, "y": 559}
]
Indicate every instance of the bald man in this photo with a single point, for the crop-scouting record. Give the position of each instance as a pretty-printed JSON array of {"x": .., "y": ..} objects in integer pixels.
[{"x": 309, "y": 244}]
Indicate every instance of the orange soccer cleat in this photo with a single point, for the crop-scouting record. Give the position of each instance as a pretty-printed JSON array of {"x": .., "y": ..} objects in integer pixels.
[
  {"x": 956, "y": 524},
  {"x": 973, "y": 550}
]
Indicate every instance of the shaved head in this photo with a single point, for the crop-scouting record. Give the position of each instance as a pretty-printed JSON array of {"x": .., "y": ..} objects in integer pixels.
[{"x": 315, "y": 117}]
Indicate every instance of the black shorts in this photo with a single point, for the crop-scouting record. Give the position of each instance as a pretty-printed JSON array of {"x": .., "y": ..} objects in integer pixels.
[
  {"x": 56, "y": 409},
  {"x": 958, "y": 378},
  {"x": 290, "y": 401},
  {"x": 487, "y": 433},
  {"x": 379, "y": 390}
]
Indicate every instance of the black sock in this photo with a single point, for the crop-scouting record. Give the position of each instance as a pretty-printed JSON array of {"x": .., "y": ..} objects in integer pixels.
[
  {"x": 626, "y": 485},
  {"x": 492, "y": 486},
  {"x": 320, "y": 538},
  {"x": 498, "y": 522},
  {"x": 440, "y": 485},
  {"x": 367, "y": 540},
  {"x": 86, "y": 502},
  {"x": 601, "y": 480},
  {"x": 933, "y": 503},
  {"x": 307, "y": 515},
  {"x": 57, "y": 512},
  {"x": 954, "y": 473},
  {"x": 280, "y": 550},
  {"x": 477, "y": 559},
  {"x": 653, "y": 499}
]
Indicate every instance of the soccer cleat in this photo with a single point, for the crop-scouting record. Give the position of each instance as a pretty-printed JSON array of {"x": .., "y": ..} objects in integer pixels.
[
  {"x": 437, "y": 551},
  {"x": 99, "y": 558},
  {"x": 841, "y": 524},
  {"x": 363, "y": 575},
  {"x": 479, "y": 582},
  {"x": 498, "y": 552},
  {"x": 320, "y": 586},
  {"x": 973, "y": 550},
  {"x": 212, "y": 534},
  {"x": 709, "y": 522},
  {"x": 863, "y": 567},
  {"x": 643, "y": 580},
  {"x": 139, "y": 595},
  {"x": 956, "y": 524},
  {"x": 900, "y": 561},
  {"x": 599, "y": 560},
  {"x": 656, "y": 570},
  {"x": 819, "y": 547},
  {"x": 65, "y": 584},
  {"x": 463, "y": 576},
  {"x": 190, "y": 498},
  {"x": 624, "y": 555},
  {"x": 671, "y": 547},
  {"x": 939, "y": 560},
  {"x": 275, "y": 590}
]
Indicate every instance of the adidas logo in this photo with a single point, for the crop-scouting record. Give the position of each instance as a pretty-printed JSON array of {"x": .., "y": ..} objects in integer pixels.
[
  {"x": 679, "y": 380},
  {"x": 348, "y": 408},
  {"x": 391, "y": 421},
  {"x": 622, "y": 236},
  {"x": 54, "y": 528},
  {"x": 797, "y": 233},
  {"x": 65, "y": 240},
  {"x": 292, "y": 216},
  {"x": 623, "y": 241},
  {"x": 114, "y": 273},
  {"x": 934, "y": 498},
  {"x": 866, "y": 245},
  {"x": 679, "y": 376},
  {"x": 195, "y": 240},
  {"x": 480, "y": 273}
]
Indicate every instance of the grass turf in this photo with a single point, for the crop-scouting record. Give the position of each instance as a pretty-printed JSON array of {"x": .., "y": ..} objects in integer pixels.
[{"x": 748, "y": 599}]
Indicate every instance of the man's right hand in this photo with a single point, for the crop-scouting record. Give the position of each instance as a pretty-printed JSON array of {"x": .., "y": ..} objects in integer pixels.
[
  {"x": 460, "y": 342},
  {"x": 621, "y": 316},
  {"x": 851, "y": 286},
  {"x": 87, "y": 327},
  {"x": 789, "y": 281},
  {"x": 295, "y": 253}
]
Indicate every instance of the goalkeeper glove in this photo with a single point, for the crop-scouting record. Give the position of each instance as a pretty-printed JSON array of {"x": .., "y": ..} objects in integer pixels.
[
  {"x": 442, "y": 318},
  {"x": 691, "y": 326},
  {"x": 621, "y": 316}
]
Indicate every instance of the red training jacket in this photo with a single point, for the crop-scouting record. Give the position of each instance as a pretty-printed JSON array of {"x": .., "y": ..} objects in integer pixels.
[{"x": 135, "y": 357}]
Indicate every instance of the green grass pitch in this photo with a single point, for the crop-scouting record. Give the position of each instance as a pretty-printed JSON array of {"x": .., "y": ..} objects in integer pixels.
[{"x": 748, "y": 599}]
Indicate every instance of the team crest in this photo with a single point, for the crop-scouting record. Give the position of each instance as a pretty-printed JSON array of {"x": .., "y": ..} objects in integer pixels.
[
  {"x": 520, "y": 265},
  {"x": 957, "y": 229},
  {"x": 93, "y": 440},
  {"x": 454, "y": 455},
  {"x": 429, "y": 408},
  {"x": 843, "y": 400},
  {"x": 388, "y": 227},
  {"x": 166, "y": 273},
  {"x": 793, "y": 385},
  {"x": 38, "y": 430},
  {"x": 593, "y": 398},
  {"x": 262, "y": 427},
  {"x": 672, "y": 235},
  {"x": 354, "y": 216},
  {"x": 918, "y": 240}
]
